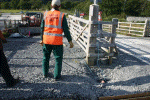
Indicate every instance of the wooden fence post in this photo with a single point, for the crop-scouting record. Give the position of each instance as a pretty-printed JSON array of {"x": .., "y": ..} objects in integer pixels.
[
  {"x": 148, "y": 31},
  {"x": 112, "y": 39},
  {"x": 145, "y": 32},
  {"x": 93, "y": 28},
  {"x": 5, "y": 24},
  {"x": 130, "y": 28}
]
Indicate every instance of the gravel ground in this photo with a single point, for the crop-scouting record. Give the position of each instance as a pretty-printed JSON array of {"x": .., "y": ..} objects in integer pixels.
[{"x": 127, "y": 74}]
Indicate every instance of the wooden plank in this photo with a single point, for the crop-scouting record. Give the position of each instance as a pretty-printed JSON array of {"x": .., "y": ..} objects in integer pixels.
[
  {"x": 130, "y": 22},
  {"x": 138, "y": 27},
  {"x": 123, "y": 26},
  {"x": 125, "y": 96},
  {"x": 105, "y": 22},
  {"x": 105, "y": 49},
  {"x": 77, "y": 29},
  {"x": 76, "y": 33},
  {"x": 79, "y": 42},
  {"x": 82, "y": 31},
  {"x": 134, "y": 34},
  {"x": 103, "y": 40},
  {"x": 140, "y": 98},
  {"x": 106, "y": 34},
  {"x": 131, "y": 27},
  {"x": 139, "y": 23},
  {"x": 107, "y": 45},
  {"x": 123, "y": 29},
  {"x": 76, "y": 24},
  {"x": 81, "y": 46},
  {"x": 136, "y": 31},
  {"x": 79, "y": 19},
  {"x": 100, "y": 54}
]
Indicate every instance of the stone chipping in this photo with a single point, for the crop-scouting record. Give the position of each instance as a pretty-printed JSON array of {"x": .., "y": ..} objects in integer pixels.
[{"x": 127, "y": 74}]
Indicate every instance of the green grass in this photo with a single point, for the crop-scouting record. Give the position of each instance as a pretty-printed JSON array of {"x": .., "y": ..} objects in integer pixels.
[
  {"x": 17, "y": 11},
  {"x": 109, "y": 18}
]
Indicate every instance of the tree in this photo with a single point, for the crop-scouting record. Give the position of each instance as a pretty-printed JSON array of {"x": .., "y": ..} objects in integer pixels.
[
  {"x": 66, "y": 5},
  {"x": 24, "y": 4},
  {"x": 146, "y": 9},
  {"x": 5, "y": 5},
  {"x": 133, "y": 7},
  {"x": 14, "y": 4},
  {"x": 110, "y": 7},
  {"x": 36, "y": 4},
  {"x": 48, "y": 6}
]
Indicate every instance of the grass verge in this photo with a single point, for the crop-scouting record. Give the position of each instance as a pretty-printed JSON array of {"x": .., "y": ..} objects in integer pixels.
[{"x": 18, "y": 11}]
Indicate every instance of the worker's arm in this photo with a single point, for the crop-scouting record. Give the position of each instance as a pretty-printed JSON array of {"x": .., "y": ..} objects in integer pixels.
[
  {"x": 66, "y": 31},
  {"x": 42, "y": 30}
]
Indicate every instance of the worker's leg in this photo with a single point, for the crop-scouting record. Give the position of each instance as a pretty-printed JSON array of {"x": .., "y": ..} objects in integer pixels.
[
  {"x": 4, "y": 69},
  {"x": 58, "y": 53},
  {"x": 47, "y": 49}
]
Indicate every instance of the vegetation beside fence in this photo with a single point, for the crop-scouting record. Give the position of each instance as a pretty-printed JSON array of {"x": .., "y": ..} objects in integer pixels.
[
  {"x": 17, "y": 11},
  {"x": 110, "y": 8}
]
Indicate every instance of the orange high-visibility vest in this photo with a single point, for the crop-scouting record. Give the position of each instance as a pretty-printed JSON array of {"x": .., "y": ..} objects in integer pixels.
[{"x": 53, "y": 28}]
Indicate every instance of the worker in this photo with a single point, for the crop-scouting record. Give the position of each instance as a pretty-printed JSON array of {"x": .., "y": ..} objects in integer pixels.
[
  {"x": 53, "y": 25},
  {"x": 4, "y": 68}
]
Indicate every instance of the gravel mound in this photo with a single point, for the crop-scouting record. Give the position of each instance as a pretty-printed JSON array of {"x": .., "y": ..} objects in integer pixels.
[{"x": 127, "y": 74}]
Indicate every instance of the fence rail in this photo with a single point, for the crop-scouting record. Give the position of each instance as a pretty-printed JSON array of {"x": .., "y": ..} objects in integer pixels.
[
  {"x": 79, "y": 27},
  {"x": 130, "y": 28},
  {"x": 80, "y": 31}
]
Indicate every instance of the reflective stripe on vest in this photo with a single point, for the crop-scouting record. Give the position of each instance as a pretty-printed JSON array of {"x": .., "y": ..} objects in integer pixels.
[
  {"x": 52, "y": 34},
  {"x": 59, "y": 25}
]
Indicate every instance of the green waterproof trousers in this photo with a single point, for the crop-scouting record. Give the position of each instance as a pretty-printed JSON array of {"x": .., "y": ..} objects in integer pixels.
[{"x": 58, "y": 54}]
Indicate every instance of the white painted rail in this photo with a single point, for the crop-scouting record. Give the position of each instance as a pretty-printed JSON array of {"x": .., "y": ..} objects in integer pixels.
[
  {"x": 130, "y": 28},
  {"x": 79, "y": 29}
]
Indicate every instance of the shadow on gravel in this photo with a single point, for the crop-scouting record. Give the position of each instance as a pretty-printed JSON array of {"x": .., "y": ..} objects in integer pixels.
[
  {"x": 71, "y": 86},
  {"x": 123, "y": 60},
  {"x": 132, "y": 82}
]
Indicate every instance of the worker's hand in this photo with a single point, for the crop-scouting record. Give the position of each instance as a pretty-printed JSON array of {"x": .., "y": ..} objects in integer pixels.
[
  {"x": 71, "y": 44},
  {"x": 41, "y": 43}
]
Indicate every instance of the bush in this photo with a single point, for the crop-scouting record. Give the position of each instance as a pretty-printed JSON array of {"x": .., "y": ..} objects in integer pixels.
[
  {"x": 6, "y": 34},
  {"x": 84, "y": 6}
]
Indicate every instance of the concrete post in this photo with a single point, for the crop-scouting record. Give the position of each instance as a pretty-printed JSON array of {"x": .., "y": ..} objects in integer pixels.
[{"x": 93, "y": 28}]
